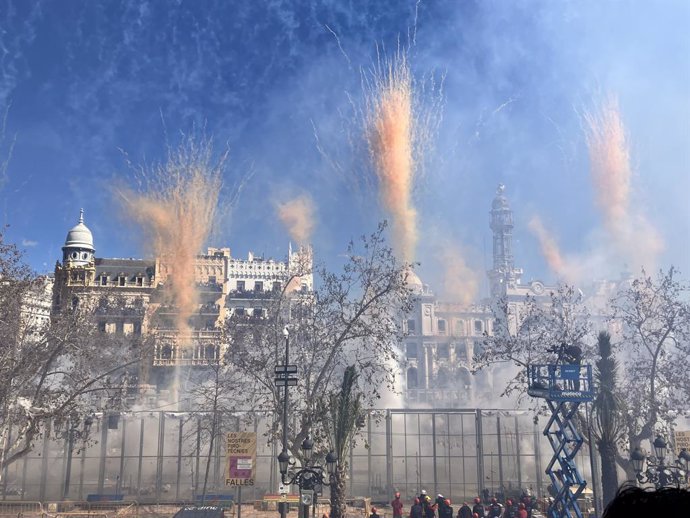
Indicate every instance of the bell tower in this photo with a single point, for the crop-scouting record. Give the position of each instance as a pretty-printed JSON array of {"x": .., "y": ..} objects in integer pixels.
[{"x": 503, "y": 275}]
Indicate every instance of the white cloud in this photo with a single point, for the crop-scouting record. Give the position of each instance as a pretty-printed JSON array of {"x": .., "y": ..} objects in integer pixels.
[{"x": 28, "y": 243}]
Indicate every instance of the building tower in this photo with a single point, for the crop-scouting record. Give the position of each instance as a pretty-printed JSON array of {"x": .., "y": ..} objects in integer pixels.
[
  {"x": 503, "y": 275},
  {"x": 78, "y": 261},
  {"x": 78, "y": 249}
]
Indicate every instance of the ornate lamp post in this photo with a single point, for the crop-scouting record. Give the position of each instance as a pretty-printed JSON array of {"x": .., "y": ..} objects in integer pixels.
[
  {"x": 310, "y": 477},
  {"x": 656, "y": 471}
]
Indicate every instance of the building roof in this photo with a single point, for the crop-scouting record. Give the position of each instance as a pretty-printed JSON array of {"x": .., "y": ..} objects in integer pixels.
[{"x": 126, "y": 266}]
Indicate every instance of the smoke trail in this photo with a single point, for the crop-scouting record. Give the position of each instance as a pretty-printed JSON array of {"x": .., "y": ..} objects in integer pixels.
[
  {"x": 460, "y": 282},
  {"x": 297, "y": 215},
  {"x": 611, "y": 175},
  {"x": 176, "y": 212},
  {"x": 391, "y": 138},
  {"x": 550, "y": 249}
]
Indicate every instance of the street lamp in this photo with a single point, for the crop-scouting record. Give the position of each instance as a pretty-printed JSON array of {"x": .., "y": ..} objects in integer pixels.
[
  {"x": 660, "y": 448},
  {"x": 307, "y": 448},
  {"x": 657, "y": 471},
  {"x": 309, "y": 477},
  {"x": 332, "y": 461}
]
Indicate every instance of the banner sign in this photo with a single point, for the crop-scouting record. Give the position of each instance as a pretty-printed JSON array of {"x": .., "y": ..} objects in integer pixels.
[
  {"x": 240, "y": 459},
  {"x": 682, "y": 440}
]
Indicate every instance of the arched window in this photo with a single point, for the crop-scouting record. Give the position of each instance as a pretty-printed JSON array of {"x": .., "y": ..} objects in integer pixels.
[
  {"x": 464, "y": 378},
  {"x": 412, "y": 378},
  {"x": 442, "y": 378},
  {"x": 166, "y": 352}
]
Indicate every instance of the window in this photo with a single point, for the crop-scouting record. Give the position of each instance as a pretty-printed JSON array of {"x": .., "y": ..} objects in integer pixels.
[
  {"x": 477, "y": 347},
  {"x": 411, "y": 378},
  {"x": 411, "y": 350},
  {"x": 443, "y": 351},
  {"x": 441, "y": 326},
  {"x": 211, "y": 279},
  {"x": 121, "y": 280},
  {"x": 104, "y": 280},
  {"x": 276, "y": 286},
  {"x": 240, "y": 285},
  {"x": 137, "y": 328},
  {"x": 101, "y": 327},
  {"x": 460, "y": 328},
  {"x": 478, "y": 326},
  {"x": 140, "y": 280},
  {"x": 411, "y": 326},
  {"x": 258, "y": 312},
  {"x": 460, "y": 352},
  {"x": 258, "y": 286},
  {"x": 239, "y": 312},
  {"x": 128, "y": 328}
]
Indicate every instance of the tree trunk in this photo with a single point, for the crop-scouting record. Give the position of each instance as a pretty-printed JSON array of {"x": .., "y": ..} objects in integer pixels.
[
  {"x": 609, "y": 473},
  {"x": 338, "y": 504}
]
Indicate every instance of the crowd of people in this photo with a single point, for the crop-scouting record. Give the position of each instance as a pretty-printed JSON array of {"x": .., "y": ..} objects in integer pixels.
[{"x": 441, "y": 507}]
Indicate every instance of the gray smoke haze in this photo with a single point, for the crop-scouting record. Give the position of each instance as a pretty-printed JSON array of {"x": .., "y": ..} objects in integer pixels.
[{"x": 282, "y": 85}]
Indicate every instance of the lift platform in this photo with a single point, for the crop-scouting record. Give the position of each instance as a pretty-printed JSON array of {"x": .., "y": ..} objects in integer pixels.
[{"x": 564, "y": 387}]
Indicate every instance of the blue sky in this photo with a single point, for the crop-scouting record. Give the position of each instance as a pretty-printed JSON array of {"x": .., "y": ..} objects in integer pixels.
[{"x": 89, "y": 84}]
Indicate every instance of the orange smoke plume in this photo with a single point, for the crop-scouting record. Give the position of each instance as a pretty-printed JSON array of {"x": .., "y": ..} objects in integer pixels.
[
  {"x": 610, "y": 163},
  {"x": 390, "y": 135},
  {"x": 460, "y": 282},
  {"x": 635, "y": 238},
  {"x": 298, "y": 216},
  {"x": 550, "y": 249},
  {"x": 176, "y": 213}
]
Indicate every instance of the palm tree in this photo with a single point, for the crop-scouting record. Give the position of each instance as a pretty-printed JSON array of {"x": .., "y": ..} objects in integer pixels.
[
  {"x": 607, "y": 421},
  {"x": 341, "y": 422}
]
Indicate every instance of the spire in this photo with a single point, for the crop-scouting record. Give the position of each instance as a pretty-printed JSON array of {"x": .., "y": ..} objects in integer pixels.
[
  {"x": 81, "y": 216},
  {"x": 504, "y": 273}
]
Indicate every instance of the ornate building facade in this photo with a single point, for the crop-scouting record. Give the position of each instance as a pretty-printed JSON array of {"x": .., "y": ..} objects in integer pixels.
[
  {"x": 130, "y": 297},
  {"x": 444, "y": 336}
]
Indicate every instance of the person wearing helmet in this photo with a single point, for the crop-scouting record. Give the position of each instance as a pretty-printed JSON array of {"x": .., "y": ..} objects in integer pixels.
[
  {"x": 464, "y": 511},
  {"x": 374, "y": 514},
  {"x": 479, "y": 508},
  {"x": 397, "y": 506},
  {"x": 439, "y": 505}
]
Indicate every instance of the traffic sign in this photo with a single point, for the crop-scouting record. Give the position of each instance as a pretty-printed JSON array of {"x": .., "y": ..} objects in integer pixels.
[
  {"x": 286, "y": 382},
  {"x": 285, "y": 369}
]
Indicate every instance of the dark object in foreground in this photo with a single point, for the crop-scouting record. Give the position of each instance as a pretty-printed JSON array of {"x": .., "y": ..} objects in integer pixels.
[
  {"x": 631, "y": 501},
  {"x": 202, "y": 511}
]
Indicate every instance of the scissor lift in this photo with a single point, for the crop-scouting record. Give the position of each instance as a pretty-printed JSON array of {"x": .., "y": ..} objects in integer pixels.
[{"x": 564, "y": 387}]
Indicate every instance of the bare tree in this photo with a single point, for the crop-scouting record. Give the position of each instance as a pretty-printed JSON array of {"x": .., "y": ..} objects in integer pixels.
[
  {"x": 351, "y": 318},
  {"x": 654, "y": 350},
  {"x": 60, "y": 369},
  {"x": 534, "y": 331}
]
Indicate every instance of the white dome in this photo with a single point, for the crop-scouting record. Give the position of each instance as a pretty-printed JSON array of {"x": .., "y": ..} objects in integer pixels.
[
  {"x": 79, "y": 235},
  {"x": 413, "y": 281}
]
